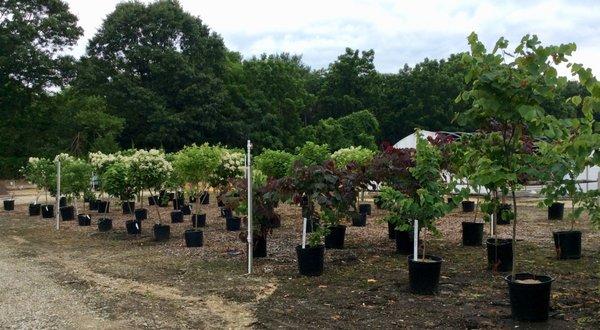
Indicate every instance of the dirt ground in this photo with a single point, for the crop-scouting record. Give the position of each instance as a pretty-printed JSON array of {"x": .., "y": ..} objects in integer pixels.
[{"x": 78, "y": 277}]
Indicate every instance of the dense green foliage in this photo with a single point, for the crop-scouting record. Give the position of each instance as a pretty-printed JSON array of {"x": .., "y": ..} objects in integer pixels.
[
  {"x": 155, "y": 76},
  {"x": 274, "y": 163}
]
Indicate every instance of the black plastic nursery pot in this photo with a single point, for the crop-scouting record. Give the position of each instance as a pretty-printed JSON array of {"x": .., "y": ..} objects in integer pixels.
[
  {"x": 176, "y": 217},
  {"x": 194, "y": 238},
  {"x": 192, "y": 199},
  {"x": 335, "y": 238},
  {"x": 62, "y": 202},
  {"x": 424, "y": 275},
  {"x": 310, "y": 260},
  {"x": 499, "y": 254},
  {"x": 233, "y": 223},
  {"x": 161, "y": 232},
  {"x": 103, "y": 206},
  {"x": 47, "y": 211},
  {"x": 364, "y": 208},
  {"x": 128, "y": 207},
  {"x": 404, "y": 241},
  {"x": 104, "y": 224},
  {"x": 178, "y": 203},
  {"x": 219, "y": 203},
  {"x": 567, "y": 244},
  {"x": 9, "y": 205},
  {"x": 186, "y": 209},
  {"x": 391, "y": 230},
  {"x": 35, "y": 209},
  {"x": 556, "y": 211},
  {"x": 84, "y": 219},
  {"x": 259, "y": 247},
  {"x": 359, "y": 220},
  {"x": 472, "y": 233},
  {"x": 141, "y": 214},
  {"x": 94, "y": 205},
  {"x": 171, "y": 196},
  {"x": 199, "y": 220},
  {"x": 468, "y": 206},
  {"x": 501, "y": 217},
  {"x": 529, "y": 296},
  {"x": 226, "y": 213},
  {"x": 67, "y": 213},
  {"x": 134, "y": 227},
  {"x": 152, "y": 200},
  {"x": 205, "y": 198}
]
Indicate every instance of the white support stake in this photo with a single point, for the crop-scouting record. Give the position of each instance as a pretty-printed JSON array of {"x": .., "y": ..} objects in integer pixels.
[
  {"x": 304, "y": 221},
  {"x": 416, "y": 240},
  {"x": 492, "y": 220},
  {"x": 57, "y": 214},
  {"x": 250, "y": 200}
]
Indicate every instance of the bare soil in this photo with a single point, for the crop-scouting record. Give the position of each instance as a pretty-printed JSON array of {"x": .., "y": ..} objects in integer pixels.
[{"x": 79, "y": 278}]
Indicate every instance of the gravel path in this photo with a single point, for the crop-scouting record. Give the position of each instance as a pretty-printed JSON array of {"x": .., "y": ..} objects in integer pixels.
[{"x": 31, "y": 299}]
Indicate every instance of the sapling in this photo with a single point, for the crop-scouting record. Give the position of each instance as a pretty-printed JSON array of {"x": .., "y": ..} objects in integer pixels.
[
  {"x": 507, "y": 91},
  {"x": 426, "y": 203},
  {"x": 195, "y": 165}
]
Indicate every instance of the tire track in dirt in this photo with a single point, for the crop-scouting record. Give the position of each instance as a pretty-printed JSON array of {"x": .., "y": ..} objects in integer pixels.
[{"x": 215, "y": 311}]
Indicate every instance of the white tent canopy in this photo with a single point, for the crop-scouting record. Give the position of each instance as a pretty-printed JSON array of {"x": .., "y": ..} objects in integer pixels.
[{"x": 591, "y": 173}]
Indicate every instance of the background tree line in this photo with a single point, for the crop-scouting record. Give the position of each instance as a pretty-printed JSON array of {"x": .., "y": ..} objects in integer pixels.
[{"x": 155, "y": 76}]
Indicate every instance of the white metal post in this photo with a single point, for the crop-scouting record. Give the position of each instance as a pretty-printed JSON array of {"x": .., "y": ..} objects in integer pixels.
[
  {"x": 304, "y": 221},
  {"x": 57, "y": 214},
  {"x": 416, "y": 240},
  {"x": 250, "y": 200}
]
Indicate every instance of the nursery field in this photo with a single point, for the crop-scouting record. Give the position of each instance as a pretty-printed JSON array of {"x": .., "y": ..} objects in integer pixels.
[{"x": 78, "y": 277}]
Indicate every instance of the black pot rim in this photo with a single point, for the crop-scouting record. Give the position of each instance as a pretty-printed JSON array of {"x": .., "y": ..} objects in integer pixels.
[
  {"x": 562, "y": 232},
  {"x": 337, "y": 226},
  {"x": 474, "y": 222},
  {"x": 194, "y": 230},
  {"x": 161, "y": 226},
  {"x": 557, "y": 203},
  {"x": 544, "y": 279},
  {"x": 499, "y": 241},
  {"x": 436, "y": 259},
  {"x": 308, "y": 247}
]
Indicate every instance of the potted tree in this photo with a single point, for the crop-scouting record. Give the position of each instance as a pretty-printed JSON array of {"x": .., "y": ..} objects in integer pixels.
[
  {"x": 75, "y": 176},
  {"x": 264, "y": 200},
  {"x": 390, "y": 167},
  {"x": 100, "y": 163},
  {"x": 507, "y": 105},
  {"x": 9, "y": 204},
  {"x": 231, "y": 166},
  {"x": 360, "y": 159},
  {"x": 40, "y": 171},
  {"x": 561, "y": 161},
  {"x": 117, "y": 182},
  {"x": 275, "y": 164},
  {"x": 194, "y": 165},
  {"x": 425, "y": 204},
  {"x": 306, "y": 184}
]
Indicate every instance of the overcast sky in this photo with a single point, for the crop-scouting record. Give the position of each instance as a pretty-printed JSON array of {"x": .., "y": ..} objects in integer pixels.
[{"x": 399, "y": 31}]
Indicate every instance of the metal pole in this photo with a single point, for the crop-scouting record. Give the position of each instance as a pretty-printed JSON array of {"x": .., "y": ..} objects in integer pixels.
[
  {"x": 416, "y": 240},
  {"x": 250, "y": 200},
  {"x": 57, "y": 214}
]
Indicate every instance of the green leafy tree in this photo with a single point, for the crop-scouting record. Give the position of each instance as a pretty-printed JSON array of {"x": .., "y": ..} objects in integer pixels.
[
  {"x": 350, "y": 84},
  {"x": 506, "y": 95},
  {"x": 161, "y": 69},
  {"x": 33, "y": 35},
  {"x": 195, "y": 165},
  {"x": 425, "y": 203},
  {"x": 274, "y": 163},
  {"x": 312, "y": 154}
]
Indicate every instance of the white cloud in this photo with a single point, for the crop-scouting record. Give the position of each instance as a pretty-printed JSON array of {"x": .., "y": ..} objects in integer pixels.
[{"x": 399, "y": 31}]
